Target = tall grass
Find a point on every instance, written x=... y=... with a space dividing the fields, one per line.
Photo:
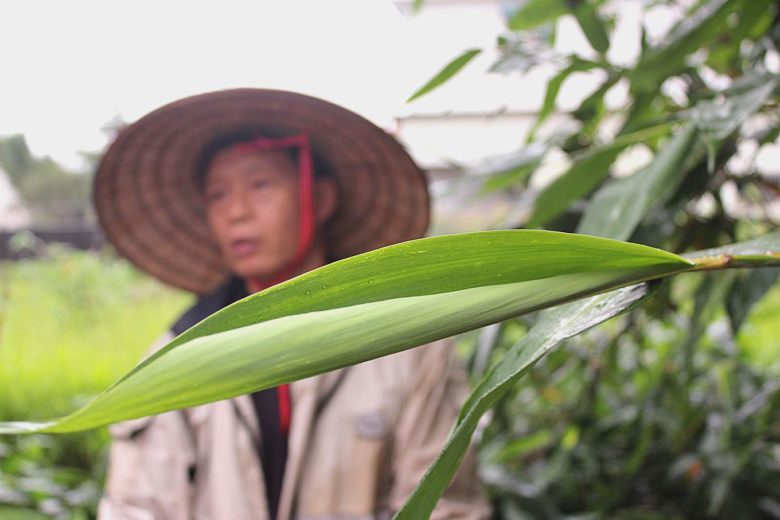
x=70 y=325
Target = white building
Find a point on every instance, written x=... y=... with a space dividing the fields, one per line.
x=13 y=213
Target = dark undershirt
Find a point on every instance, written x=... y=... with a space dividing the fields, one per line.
x=273 y=449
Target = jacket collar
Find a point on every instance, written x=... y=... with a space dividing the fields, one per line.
x=309 y=396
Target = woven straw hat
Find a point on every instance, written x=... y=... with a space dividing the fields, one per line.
x=149 y=203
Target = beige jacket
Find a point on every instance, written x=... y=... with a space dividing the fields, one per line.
x=360 y=440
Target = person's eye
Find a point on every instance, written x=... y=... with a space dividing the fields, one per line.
x=260 y=184
x=215 y=195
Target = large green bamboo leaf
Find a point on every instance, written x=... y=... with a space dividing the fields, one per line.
x=365 y=307
x=445 y=74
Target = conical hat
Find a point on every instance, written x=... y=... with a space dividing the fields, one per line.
x=148 y=198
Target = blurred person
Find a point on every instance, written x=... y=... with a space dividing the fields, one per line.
x=228 y=193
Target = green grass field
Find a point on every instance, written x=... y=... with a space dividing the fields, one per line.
x=70 y=325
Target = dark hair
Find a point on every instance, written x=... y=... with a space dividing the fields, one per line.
x=321 y=167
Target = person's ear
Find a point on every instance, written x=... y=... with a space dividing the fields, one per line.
x=325 y=200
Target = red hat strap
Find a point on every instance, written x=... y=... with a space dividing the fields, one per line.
x=306 y=224
x=305 y=233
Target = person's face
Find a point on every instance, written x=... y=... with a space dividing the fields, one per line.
x=252 y=208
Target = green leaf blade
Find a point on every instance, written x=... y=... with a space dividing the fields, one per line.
x=592 y=26
x=366 y=307
x=746 y=292
x=444 y=75
x=554 y=87
x=585 y=174
x=618 y=207
x=659 y=63
x=561 y=323
x=536 y=12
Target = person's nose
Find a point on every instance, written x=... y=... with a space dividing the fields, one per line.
x=240 y=207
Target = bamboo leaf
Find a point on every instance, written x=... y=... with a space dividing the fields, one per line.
x=446 y=73
x=365 y=307
x=554 y=87
x=579 y=180
x=536 y=12
x=720 y=117
x=507 y=170
x=617 y=208
x=659 y=63
x=592 y=109
x=630 y=198
x=560 y=324
x=592 y=26
x=746 y=292
x=755 y=19
x=585 y=174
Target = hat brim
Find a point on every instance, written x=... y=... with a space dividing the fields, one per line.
x=149 y=203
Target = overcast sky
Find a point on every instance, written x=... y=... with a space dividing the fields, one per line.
x=70 y=67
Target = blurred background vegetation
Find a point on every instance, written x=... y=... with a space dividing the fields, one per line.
x=672 y=411
x=52 y=195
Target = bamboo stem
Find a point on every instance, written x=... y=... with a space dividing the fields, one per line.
x=726 y=261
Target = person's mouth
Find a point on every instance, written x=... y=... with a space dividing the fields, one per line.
x=243 y=247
